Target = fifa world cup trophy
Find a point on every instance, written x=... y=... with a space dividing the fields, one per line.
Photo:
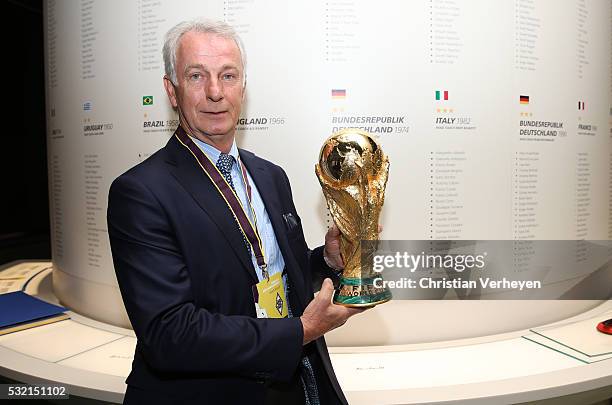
x=353 y=172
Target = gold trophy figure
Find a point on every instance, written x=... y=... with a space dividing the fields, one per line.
x=353 y=173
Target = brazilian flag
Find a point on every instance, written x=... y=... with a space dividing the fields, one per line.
x=147 y=100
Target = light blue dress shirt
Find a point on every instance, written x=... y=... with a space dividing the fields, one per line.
x=272 y=253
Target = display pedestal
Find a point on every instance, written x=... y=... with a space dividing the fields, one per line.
x=93 y=359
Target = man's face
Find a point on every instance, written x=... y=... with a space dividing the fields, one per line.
x=210 y=89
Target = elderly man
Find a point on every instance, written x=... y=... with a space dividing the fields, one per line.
x=210 y=254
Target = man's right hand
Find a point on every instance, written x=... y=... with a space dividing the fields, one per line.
x=322 y=315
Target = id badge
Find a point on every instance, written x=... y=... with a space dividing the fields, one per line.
x=269 y=297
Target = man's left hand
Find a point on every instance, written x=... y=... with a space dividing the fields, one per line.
x=331 y=252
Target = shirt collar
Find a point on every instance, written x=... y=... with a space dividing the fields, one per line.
x=212 y=152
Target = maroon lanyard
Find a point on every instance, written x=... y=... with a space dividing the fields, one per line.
x=230 y=197
x=246 y=182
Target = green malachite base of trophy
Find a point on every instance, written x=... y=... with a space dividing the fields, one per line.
x=361 y=292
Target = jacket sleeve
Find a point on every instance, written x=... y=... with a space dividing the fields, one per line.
x=175 y=335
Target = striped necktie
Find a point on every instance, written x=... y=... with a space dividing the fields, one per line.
x=224 y=164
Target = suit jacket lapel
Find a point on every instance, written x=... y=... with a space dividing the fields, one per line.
x=188 y=173
x=264 y=181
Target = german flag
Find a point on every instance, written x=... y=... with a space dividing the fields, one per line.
x=338 y=94
x=524 y=99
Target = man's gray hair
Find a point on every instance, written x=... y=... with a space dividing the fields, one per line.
x=203 y=25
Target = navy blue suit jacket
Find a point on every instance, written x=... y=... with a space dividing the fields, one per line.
x=186 y=278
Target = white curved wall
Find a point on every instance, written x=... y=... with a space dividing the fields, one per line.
x=461 y=168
